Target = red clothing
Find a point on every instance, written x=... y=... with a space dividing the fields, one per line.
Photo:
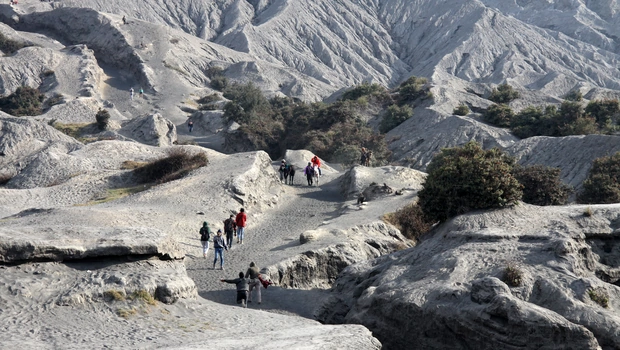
x=240 y=219
x=316 y=161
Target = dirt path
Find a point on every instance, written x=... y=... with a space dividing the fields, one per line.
x=273 y=239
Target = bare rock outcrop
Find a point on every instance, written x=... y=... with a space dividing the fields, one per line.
x=451 y=291
x=153 y=130
x=358 y=179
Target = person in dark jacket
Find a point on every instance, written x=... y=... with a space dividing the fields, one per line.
x=219 y=245
x=242 y=288
x=205 y=235
x=230 y=229
x=309 y=171
x=252 y=273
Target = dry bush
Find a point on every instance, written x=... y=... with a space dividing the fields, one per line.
x=5 y=178
x=114 y=295
x=132 y=164
x=410 y=220
x=176 y=165
x=599 y=296
x=144 y=296
x=126 y=313
x=513 y=276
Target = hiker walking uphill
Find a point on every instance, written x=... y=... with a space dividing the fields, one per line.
x=219 y=245
x=230 y=229
x=205 y=235
x=240 y=222
x=283 y=170
x=242 y=288
x=252 y=273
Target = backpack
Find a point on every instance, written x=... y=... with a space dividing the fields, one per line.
x=204 y=234
x=229 y=225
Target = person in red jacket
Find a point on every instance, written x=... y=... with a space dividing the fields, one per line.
x=240 y=221
x=316 y=161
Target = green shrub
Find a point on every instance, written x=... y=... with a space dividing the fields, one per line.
x=599 y=296
x=412 y=89
x=535 y=121
x=103 y=118
x=499 y=115
x=209 y=99
x=177 y=164
x=468 y=178
x=410 y=220
x=24 y=101
x=503 y=94
x=605 y=112
x=394 y=116
x=365 y=89
x=9 y=46
x=603 y=182
x=219 y=83
x=542 y=185
x=513 y=276
x=461 y=109
x=574 y=95
x=55 y=99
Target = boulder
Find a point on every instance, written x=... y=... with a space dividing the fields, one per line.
x=152 y=130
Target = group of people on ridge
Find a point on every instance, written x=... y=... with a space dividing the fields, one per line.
x=234 y=226
x=287 y=171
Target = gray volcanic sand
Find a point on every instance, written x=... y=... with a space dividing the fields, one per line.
x=275 y=237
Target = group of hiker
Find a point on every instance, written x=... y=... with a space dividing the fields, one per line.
x=252 y=279
x=287 y=171
x=234 y=226
x=131 y=92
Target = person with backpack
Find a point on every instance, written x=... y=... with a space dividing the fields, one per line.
x=316 y=162
x=283 y=170
x=252 y=273
x=242 y=288
x=309 y=172
x=230 y=229
x=205 y=235
x=240 y=222
x=219 y=245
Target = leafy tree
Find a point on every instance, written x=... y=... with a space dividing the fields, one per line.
x=468 y=178
x=412 y=89
x=605 y=112
x=603 y=182
x=542 y=185
x=499 y=115
x=574 y=95
x=394 y=116
x=461 y=109
x=219 y=83
x=102 y=117
x=24 y=101
x=571 y=120
x=533 y=121
x=503 y=94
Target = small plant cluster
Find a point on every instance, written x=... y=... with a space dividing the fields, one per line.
x=74 y=130
x=542 y=185
x=24 y=101
x=599 y=296
x=513 y=276
x=603 y=182
x=218 y=80
x=461 y=109
x=177 y=164
x=571 y=118
x=9 y=46
x=410 y=220
x=102 y=117
x=142 y=296
x=503 y=94
x=207 y=103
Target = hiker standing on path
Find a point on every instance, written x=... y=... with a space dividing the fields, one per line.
x=131 y=93
x=252 y=273
x=190 y=125
x=141 y=93
x=124 y=20
x=219 y=245
x=309 y=171
x=205 y=235
x=230 y=229
x=242 y=288
x=282 y=170
x=240 y=222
